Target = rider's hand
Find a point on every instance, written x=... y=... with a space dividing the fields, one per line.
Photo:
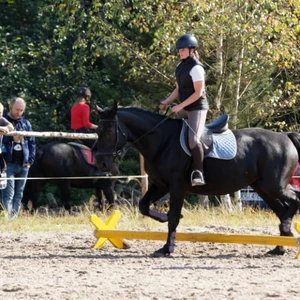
x=177 y=108
x=162 y=105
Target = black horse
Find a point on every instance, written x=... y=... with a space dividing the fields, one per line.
x=265 y=160
x=65 y=160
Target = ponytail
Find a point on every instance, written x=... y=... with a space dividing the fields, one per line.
x=196 y=54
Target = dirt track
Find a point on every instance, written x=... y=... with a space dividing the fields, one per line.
x=60 y=265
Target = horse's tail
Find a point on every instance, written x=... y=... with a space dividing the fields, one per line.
x=295 y=138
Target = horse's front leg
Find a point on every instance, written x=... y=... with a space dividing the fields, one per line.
x=99 y=198
x=153 y=194
x=109 y=193
x=177 y=193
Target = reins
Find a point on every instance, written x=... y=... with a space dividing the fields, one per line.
x=157 y=125
x=116 y=152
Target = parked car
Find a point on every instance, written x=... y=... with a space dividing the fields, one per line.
x=251 y=198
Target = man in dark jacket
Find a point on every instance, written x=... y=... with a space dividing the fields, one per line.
x=19 y=154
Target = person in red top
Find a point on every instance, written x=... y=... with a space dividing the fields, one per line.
x=80 y=115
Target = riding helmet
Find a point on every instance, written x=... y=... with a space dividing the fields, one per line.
x=186 y=41
x=84 y=91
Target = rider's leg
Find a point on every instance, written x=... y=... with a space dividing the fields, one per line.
x=196 y=120
x=182 y=114
x=197 y=177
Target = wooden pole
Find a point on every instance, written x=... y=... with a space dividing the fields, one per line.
x=199 y=237
x=54 y=134
x=106 y=231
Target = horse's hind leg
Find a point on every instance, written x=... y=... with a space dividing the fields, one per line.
x=152 y=195
x=284 y=204
x=290 y=200
x=290 y=204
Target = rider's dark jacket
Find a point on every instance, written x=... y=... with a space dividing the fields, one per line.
x=186 y=85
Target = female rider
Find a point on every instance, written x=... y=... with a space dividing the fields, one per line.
x=190 y=89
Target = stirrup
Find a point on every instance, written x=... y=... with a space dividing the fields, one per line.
x=198 y=180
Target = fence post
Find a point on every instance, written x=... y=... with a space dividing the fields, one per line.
x=144 y=179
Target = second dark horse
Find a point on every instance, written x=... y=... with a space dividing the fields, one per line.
x=64 y=160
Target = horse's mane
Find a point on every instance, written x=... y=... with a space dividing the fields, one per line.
x=133 y=112
x=141 y=112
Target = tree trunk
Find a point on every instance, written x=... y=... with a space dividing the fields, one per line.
x=238 y=85
x=220 y=72
x=237 y=194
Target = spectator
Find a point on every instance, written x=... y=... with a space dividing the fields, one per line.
x=80 y=115
x=19 y=155
x=5 y=127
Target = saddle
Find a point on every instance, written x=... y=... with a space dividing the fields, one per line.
x=218 y=141
x=85 y=151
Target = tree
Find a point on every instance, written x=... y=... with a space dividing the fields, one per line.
x=124 y=50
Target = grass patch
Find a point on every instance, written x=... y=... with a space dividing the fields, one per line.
x=131 y=219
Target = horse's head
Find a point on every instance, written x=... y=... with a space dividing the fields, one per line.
x=111 y=138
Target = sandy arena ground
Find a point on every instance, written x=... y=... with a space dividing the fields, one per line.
x=60 y=265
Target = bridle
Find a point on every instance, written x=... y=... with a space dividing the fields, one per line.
x=117 y=152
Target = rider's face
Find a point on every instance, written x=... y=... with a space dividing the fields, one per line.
x=184 y=53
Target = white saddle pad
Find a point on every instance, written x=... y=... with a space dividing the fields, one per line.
x=224 y=145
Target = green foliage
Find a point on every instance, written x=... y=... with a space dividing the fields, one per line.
x=78 y=196
x=124 y=51
x=130 y=165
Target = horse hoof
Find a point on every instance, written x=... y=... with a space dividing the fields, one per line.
x=278 y=250
x=161 y=253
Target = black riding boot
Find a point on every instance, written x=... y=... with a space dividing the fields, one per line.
x=197 y=175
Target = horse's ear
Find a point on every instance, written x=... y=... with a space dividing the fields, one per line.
x=99 y=109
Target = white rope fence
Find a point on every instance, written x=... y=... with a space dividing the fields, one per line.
x=68 y=135
x=129 y=177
